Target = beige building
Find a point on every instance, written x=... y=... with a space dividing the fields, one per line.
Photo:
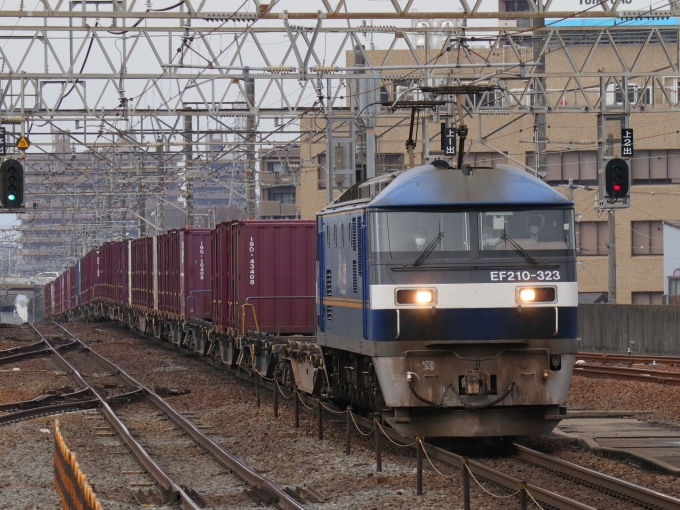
x=571 y=132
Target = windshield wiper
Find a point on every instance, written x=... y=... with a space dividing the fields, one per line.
x=518 y=249
x=430 y=247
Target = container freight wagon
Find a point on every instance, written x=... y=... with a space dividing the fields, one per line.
x=185 y=273
x=114 y=271
x=270 y=276
x=143 y=272
x=90 y=287
x=59 y=293
x=74 y=286
x=48 y=299
x=220 y=276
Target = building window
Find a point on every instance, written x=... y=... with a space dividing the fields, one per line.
x=635 y=94
x=656 y=167
x=581 y=166
x=385 y=163
x=486 y=159
x=321 y=171
x=592 y=238
x=647 y=237
x=647 y=298
x=274 y=167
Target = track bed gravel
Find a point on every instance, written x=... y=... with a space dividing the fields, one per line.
x=591 y=393
x=225 y=409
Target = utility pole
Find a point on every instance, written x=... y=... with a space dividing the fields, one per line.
x=329 y=142
x=540 y=119
x=249 y=84
x=160 y=214
x=188 y=162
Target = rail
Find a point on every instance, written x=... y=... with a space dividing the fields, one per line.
x=219 y=453
x=628 y=358
x=278 y=308
x=169 y=488
x=636 y=374
x=626 y=489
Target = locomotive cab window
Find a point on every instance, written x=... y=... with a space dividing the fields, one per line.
x=541 y=232
x=408 y=235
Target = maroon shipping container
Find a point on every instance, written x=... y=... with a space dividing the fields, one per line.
x=73 y=292
x=90 y=287
x=168 y=268
x=48 y=299
x=143 y=271
x=220 y=282
x=271 y=265
x=114 y=271
x=59 y=285
x=185 y=269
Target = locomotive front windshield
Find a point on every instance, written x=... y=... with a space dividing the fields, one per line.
x=542 y=232
x=406 y=235
x=403 y=235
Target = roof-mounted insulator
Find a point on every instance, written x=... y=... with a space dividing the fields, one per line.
x=280 y=69
x=236 y=16
x=324 y=69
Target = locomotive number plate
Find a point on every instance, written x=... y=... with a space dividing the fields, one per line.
x=523 y=276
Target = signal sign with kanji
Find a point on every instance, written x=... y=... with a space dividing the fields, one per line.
x=448 y=140
x=627 y=142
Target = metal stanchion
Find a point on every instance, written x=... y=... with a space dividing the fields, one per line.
x=257 y=389
x=296 y=399
x=419 y=469
x=319 y=417
x=523 y=496
x=378 y=445
x=276 y=400
x=348 y=431
x=466 y=486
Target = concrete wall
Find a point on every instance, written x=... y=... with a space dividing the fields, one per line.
x=612 y=328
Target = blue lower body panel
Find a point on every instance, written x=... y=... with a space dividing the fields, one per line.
x=474 y=324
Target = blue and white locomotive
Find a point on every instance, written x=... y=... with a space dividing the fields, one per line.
x=447 y=300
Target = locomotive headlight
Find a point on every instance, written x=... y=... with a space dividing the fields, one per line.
x=415 y=297
x=527 y=295
x=536 y=294
x=424 y=297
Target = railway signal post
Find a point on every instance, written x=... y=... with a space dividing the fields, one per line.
x=613 y=175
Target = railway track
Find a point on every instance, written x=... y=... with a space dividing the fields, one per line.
x=629 y=359
x=621 y=490
x=618 y=489
x=629 y=373
x=632 y=495
x=260 y=489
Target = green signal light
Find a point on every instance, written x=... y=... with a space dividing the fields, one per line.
x=12 y=196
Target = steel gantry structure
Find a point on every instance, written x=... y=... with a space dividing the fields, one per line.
x=154 y=81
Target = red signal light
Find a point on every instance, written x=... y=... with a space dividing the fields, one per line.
x=617 y=187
